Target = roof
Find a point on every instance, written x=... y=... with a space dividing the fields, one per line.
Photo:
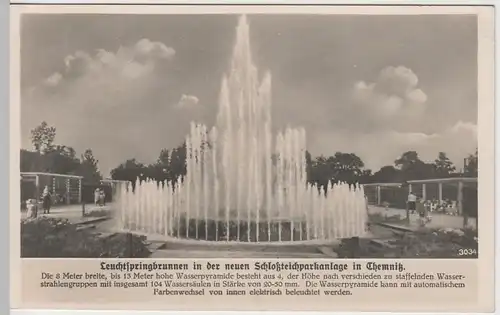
x=107 y=180
x=444 y=180
x=49 y=174
x=383 y=184
x=452 y=180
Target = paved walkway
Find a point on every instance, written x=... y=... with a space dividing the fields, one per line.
x=71 y=212
x=438 y=220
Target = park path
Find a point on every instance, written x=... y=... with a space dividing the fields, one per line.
x=438 y=220
x=73 y=213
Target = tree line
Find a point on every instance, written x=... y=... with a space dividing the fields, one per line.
x=341 y=167
x=171 y=164
x=49 y=157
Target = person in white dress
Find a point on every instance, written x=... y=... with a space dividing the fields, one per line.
x=32 y=208
x=412 y=202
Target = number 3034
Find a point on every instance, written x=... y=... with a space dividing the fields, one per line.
x=467 y=251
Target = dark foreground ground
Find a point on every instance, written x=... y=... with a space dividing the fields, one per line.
x=92 y=238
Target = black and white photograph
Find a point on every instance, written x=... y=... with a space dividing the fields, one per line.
x=249 y=136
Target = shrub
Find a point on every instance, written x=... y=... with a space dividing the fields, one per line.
x=49 y=237
x=379 y=218
x=421 y=244
x=98 y=213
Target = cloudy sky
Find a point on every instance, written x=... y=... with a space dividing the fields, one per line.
x=128 y=85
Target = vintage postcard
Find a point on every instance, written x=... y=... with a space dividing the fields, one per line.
x=209 y=157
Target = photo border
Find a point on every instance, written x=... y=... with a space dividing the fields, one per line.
x=485 y=146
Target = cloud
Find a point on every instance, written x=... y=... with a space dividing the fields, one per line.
x=388 y=117
x=148 y=49
x=120 y=104
x=131 y=63
x=54 y=79
x=381 y=148
x=115 y=102
x=392 y=102
x=187 y=101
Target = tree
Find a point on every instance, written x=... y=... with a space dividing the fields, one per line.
x=164 y=158
x=48 y=157
x=342 y=167
x=60 y=159
x=321 y=173
x=412 y=167
x=443 y=166
x=366 y=177
x=387 y=174
x=347 y=167
x=177 y=165
x=129 y=170
x=407 y=160
x=31 y=161
x=89 y=167
x=42 y=137
x=472 y=165
x=161 y=169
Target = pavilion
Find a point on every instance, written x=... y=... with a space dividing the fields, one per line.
x=67 y=186
x=459 y=182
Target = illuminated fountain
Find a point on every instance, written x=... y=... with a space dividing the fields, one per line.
x=242 y=184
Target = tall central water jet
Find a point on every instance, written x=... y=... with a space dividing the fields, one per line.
x=242 y=183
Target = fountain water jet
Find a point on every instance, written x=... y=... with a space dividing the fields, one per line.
x=237 y=186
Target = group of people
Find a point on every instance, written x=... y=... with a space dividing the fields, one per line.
x=424 y=207
x=32 y=204
x=445 y=206
x=99 y=197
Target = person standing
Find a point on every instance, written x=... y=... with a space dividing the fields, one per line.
x=46 y=200
x=412 y=202
x=422 y=212
x=32 y=208
x=102 y=197
x=97 y=196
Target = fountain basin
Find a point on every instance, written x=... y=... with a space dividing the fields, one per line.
x=241 y=231
x=231 y=245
